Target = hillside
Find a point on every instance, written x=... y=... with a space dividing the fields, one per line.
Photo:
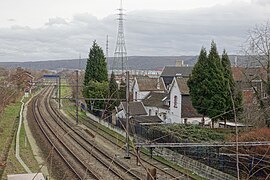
x=134 y=62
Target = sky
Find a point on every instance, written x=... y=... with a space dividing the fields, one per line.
x=34 y=30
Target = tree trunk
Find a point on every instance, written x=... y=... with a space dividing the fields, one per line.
x=213 y=122
x=202 y=121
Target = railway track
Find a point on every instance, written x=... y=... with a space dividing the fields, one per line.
x=58 y=129
x=76 y=165
x=164 y=169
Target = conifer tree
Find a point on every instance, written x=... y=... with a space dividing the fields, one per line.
x=113 y=92
x=218 y=93
x=96 y=77
x=96 y=67
x=198 y=91
x=233 y=90
x=207 y=85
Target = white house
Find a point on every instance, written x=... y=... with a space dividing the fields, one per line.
x=137 y=114
x=181 y=109
x=143 y=85
x=135 y=109
x=157 y=104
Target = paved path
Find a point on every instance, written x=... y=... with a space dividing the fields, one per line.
x=18 y=140
x=35 y=149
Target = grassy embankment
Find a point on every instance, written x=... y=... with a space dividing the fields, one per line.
x=191 y=133
x=8 y=128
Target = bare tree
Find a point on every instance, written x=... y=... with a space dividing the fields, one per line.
x=257 y=49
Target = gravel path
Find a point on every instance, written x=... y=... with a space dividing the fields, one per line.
x=36 y=150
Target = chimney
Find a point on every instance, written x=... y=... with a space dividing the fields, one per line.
x=235 y=61
x=158 y=83
x=179 y=63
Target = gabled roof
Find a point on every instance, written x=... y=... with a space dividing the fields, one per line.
x=150 y=84
x=135 y=108
x=147 y=119
x=173 y=71
x=187 y=110
x=248 y=74
x=182 y=85
x=156 y=100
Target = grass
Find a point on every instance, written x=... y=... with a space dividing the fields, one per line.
x=190 y=133
x=9 y=122
x=66 y=91
x=26 y=152
x=8 y=125
x=7 y=119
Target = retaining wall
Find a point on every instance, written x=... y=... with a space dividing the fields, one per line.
x=193 y=165
x=108 y=125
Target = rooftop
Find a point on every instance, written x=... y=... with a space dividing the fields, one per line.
x=135 y=108
x=147 y=119
x=156 y=99
x=187 y=109
x=150 y=84
x=182 y=85
x=176 y=71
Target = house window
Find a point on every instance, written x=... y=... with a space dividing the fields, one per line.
x=150 y=112
x=156 y=112
x=175 y=101
x=164 y=117
x=255 y=89
x=136 y=96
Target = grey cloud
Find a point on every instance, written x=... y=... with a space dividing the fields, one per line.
x=11 y=20
x=147 y=33
x=261 y=2
x=56 y=21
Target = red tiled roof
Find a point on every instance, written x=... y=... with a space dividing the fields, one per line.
x=248 y=74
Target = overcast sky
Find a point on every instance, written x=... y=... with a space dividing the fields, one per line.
x=63 y=29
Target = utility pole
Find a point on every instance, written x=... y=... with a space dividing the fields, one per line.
x=59 y=91
x=107 y=49
x=77 y=97
x=80 y=58
x=127 y=116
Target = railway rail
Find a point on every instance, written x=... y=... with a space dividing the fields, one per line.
x=164 y=169
x=57 y=129
x=59 y=146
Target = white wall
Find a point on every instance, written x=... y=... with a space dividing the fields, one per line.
x=121 y=114
x=160 y=112
x=135 y=89
x=140 y=94
x=143 y=94
x=197 y=120
x=175 y=112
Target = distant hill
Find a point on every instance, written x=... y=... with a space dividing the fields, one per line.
x=134 y=62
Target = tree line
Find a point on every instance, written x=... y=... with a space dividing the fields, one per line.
x=212 y=88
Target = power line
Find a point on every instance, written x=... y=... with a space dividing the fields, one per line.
x=216 y=144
